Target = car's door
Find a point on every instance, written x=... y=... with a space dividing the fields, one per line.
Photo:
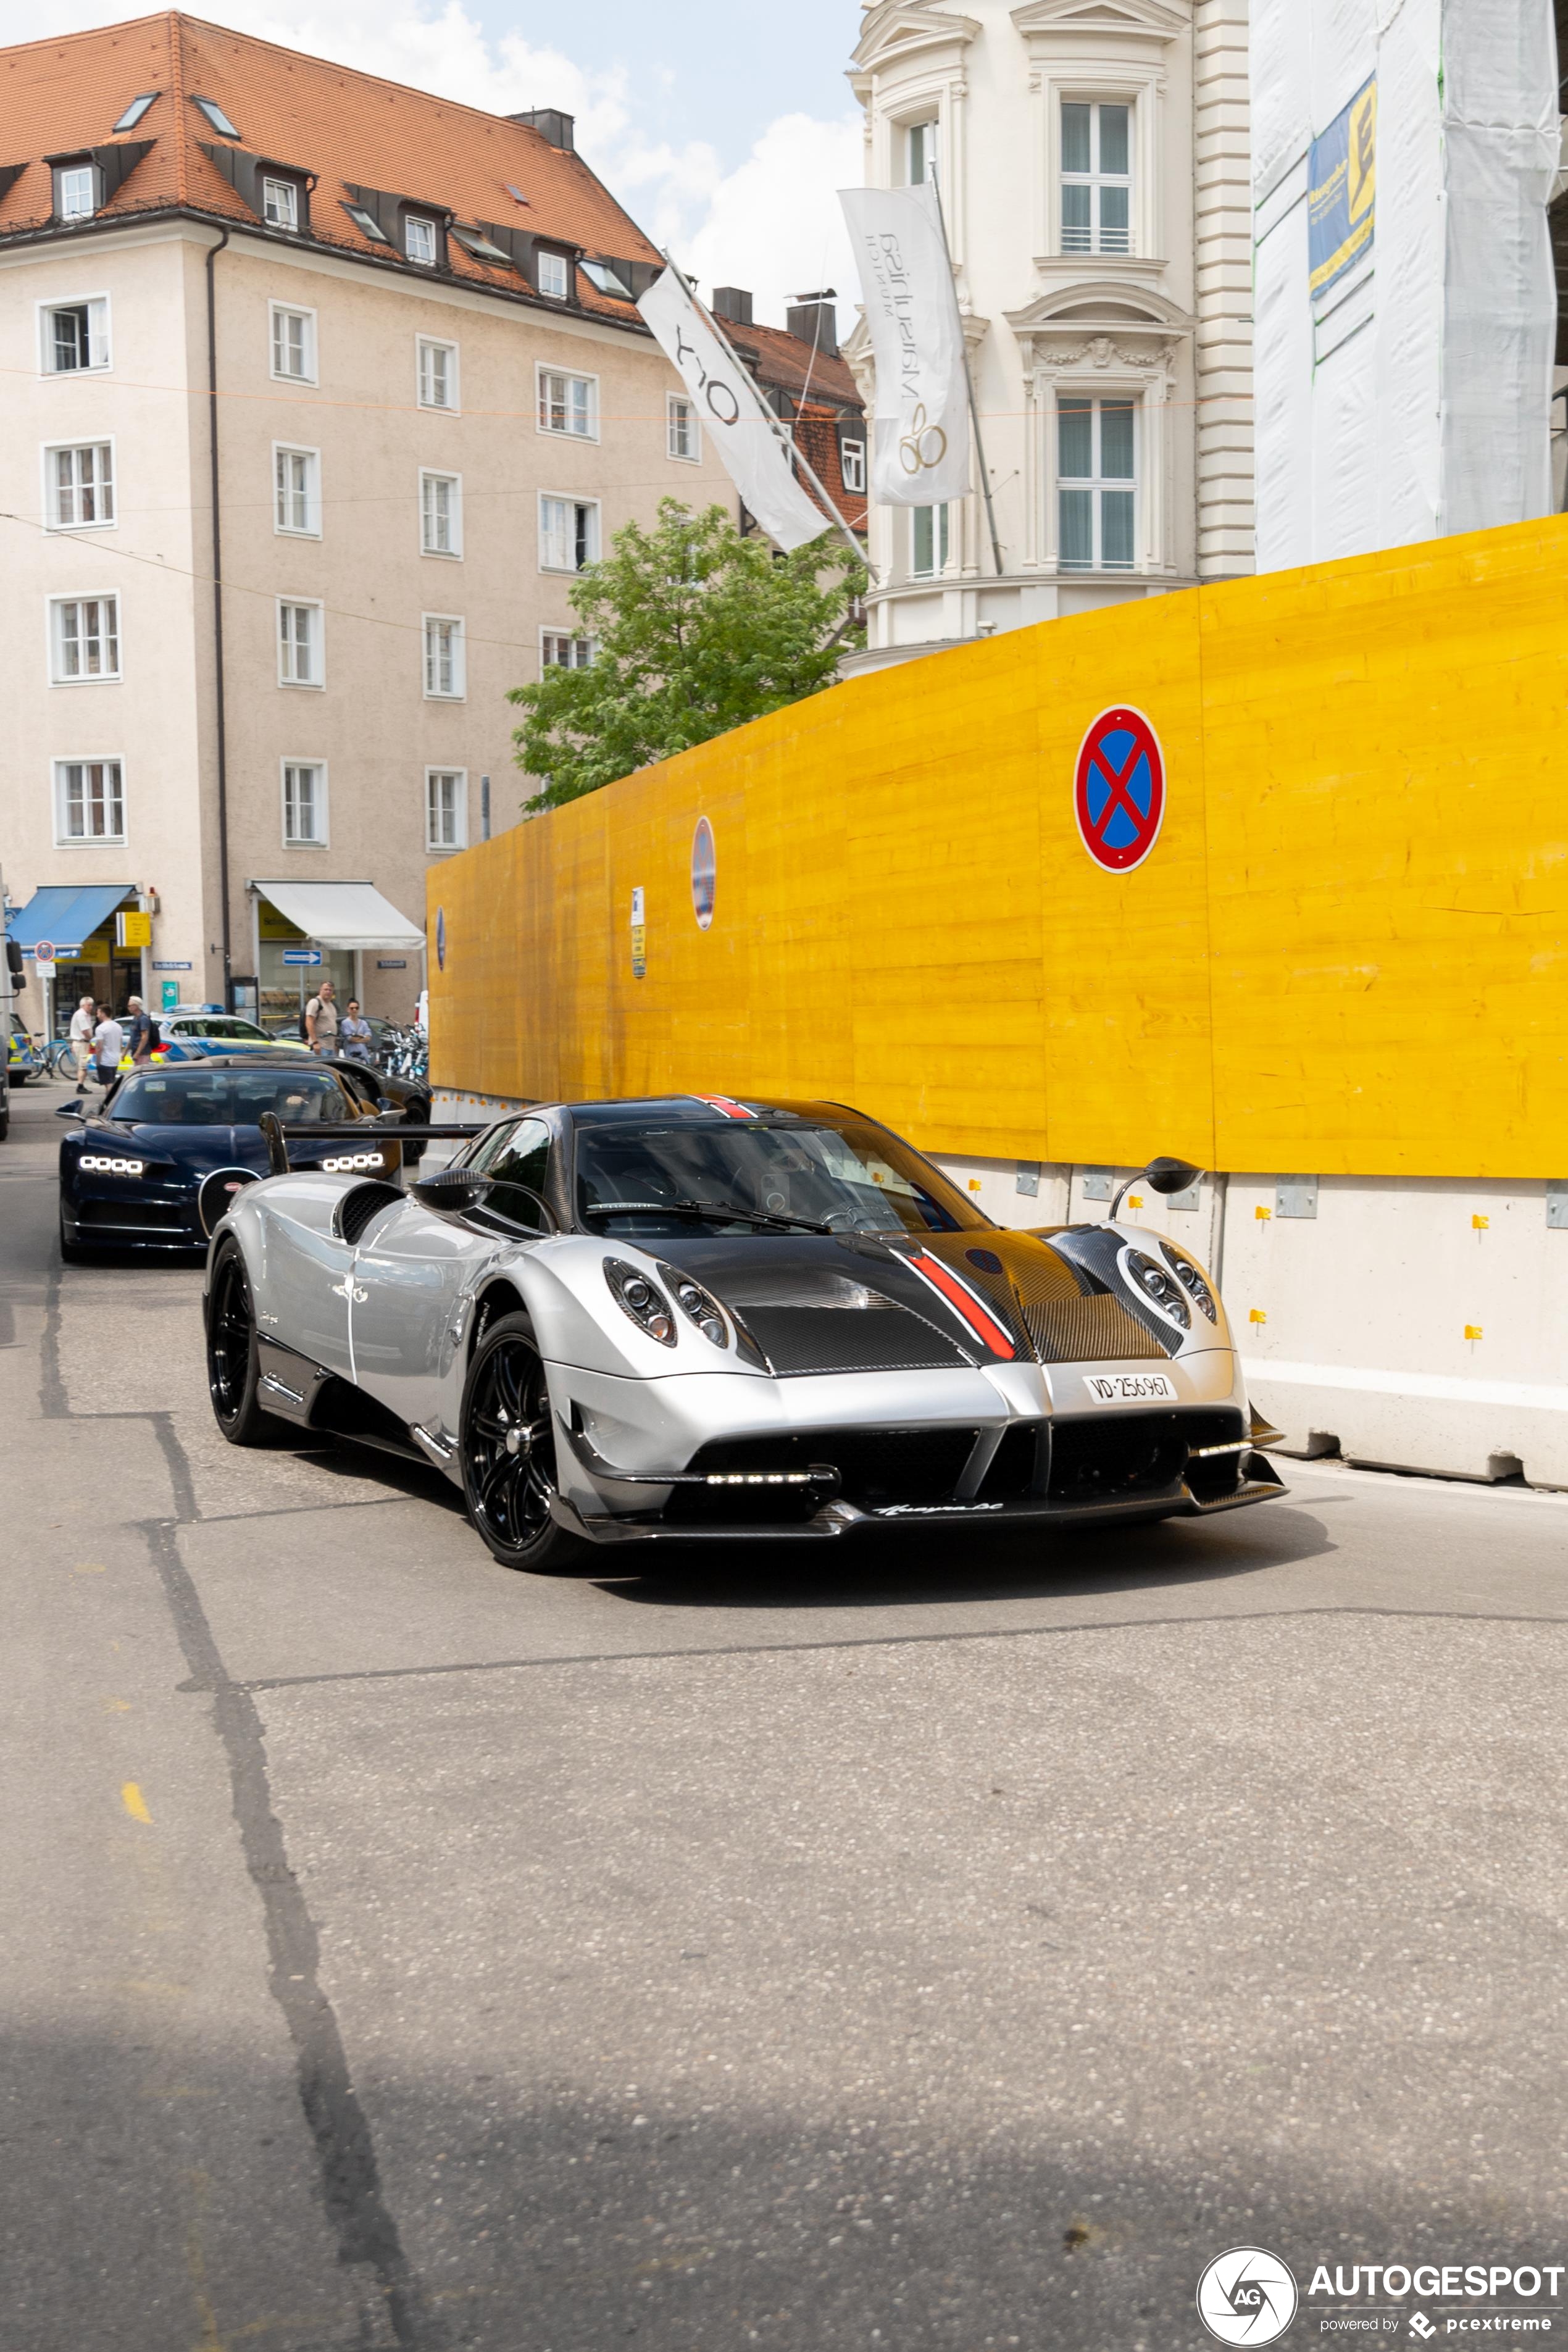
x=413 y=1267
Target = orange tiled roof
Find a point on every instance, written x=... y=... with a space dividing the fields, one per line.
x=62 y=95
x=777 y=357
x=817 y=431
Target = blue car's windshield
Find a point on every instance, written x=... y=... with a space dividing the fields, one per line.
x=657 y=1180
x=202 y=1096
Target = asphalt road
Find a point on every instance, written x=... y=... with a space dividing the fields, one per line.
x=929 y=1949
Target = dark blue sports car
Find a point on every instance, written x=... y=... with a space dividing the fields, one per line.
x=157 y=1164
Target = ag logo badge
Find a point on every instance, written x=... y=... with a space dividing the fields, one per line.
x=1247 y=2296
x=1119 y=790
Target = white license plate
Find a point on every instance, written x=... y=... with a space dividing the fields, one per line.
x=1130 y=1388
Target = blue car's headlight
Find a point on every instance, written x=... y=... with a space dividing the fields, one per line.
x=99 y=1163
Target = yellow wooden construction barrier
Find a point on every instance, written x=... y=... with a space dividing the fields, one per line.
x=1346 y=951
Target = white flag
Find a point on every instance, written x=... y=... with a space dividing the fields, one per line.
x=920 y=447
x=731 y=407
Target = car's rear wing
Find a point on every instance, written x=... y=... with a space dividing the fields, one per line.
x=275 y=1135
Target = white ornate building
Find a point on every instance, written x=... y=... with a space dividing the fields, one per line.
x=1093 y=157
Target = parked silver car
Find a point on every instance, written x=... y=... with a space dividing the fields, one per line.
x=695 y=1318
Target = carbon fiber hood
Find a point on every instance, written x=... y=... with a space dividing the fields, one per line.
x=850 y=1302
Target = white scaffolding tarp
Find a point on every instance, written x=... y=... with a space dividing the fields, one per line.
x=1405 y=305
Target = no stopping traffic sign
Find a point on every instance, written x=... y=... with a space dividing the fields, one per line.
x=1119 y=790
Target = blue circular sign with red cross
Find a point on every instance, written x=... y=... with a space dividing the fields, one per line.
x=1118 y=790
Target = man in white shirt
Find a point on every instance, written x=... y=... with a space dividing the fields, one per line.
x=107 y=1045
x=84 y=1020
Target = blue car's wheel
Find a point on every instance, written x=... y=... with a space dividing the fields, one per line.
x=508 y=1447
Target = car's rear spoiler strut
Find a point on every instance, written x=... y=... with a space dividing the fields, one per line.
x=274 y=1135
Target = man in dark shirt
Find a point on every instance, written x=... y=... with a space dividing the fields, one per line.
x=140 y=1031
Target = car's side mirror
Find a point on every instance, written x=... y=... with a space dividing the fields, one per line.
x=1160 y=1176
x=1170 y=1175
x=451 y=1191
x=68 y=1110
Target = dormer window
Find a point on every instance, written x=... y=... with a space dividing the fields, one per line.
x=76 y=190
x=216 y=117
x=367 y=224
x=419 y=239
x=135 y=111
x=553 y=276
x=280 y=204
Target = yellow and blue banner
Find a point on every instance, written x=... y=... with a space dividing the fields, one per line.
x=1342 y=190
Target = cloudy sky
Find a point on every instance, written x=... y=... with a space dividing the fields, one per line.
x=724 y=126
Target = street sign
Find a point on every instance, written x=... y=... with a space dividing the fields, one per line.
x=44 y=966
x=301 y=955
x=168 y=964
x=392 y=963
x=45 y=950
x=1119 y=790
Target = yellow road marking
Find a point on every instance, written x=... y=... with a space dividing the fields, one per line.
x=136 y=1804
x=90 y=1567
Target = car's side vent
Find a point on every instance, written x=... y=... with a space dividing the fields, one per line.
x=359 y=1207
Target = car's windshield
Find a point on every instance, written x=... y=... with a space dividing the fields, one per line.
x=207 y=1098
x=735 y=1177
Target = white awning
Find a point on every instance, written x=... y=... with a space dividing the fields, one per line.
x=342 y=914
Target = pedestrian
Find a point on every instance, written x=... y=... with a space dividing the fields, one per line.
x=142 y=1031
x=84 y=1020
x=107 y=1045
x=322 y=1021
x=355 y=1032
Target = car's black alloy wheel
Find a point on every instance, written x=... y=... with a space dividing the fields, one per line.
x=233 y=1370
x=508 y=1447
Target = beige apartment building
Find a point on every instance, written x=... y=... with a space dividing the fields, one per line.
x=319 y=390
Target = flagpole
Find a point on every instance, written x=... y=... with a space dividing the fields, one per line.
x=776 y=427
x=969 y=383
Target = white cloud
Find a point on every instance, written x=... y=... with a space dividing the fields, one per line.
x=771 y=225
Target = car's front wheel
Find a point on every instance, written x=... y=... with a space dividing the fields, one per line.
x=234 y=1367
x=508 y=1447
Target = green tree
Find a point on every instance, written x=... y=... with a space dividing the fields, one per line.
x=697 y=630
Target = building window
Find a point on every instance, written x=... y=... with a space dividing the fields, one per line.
x=438 y=374
x=558 y=651
x=567 y=405
x=280 y=205
x=419 y=240
x=928 y=541
x=553 y=274
x=568 y=534
x=84 y=639
x=297 y=491
x=299 y=655
x=444 y=680
x=1096 y=178
x=1097 y=482
x=441 y=514
x=685 y=433
x=79 y=486
x=90 y=801
x=76 y=191
x=446 y=808
x=75 y=336
x=920 y=151
x=293 y=344
x=304 y=804
x=852 y=464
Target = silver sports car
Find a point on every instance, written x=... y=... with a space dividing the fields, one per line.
x=696 y=1317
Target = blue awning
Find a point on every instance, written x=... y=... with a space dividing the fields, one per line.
x=66 y=916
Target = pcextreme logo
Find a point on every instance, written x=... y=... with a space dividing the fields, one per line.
x=1247 y=2296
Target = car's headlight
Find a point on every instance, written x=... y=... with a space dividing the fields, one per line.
x=95 y=1163
x=1158 y=1286
x=1193 y=1283
x=643 y=1300
x=699 y=1303
x=353 y=1163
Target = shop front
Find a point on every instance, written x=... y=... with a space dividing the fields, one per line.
x=79 y=924
x=306 y=932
